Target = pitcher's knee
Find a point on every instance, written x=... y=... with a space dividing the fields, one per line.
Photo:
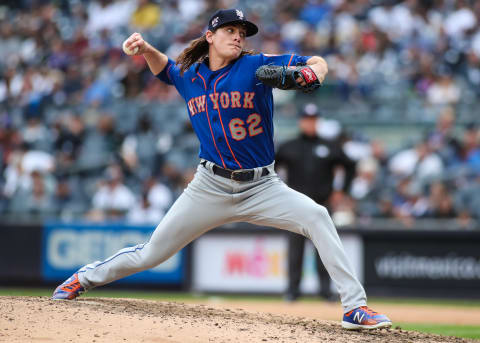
x=322 y=211
x=153 y=259
x=314 y=216
x=152 y=262
x=315 y=213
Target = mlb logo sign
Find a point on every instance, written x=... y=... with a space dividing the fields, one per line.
x=215 y=21
x=239 y=14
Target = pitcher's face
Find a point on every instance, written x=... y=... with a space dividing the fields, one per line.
x=227 y=41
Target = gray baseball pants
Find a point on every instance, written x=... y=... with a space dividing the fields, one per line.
x=210 y=201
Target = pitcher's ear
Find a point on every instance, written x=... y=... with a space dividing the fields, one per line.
x=208 y=36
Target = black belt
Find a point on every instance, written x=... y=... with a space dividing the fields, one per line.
x=235 y=175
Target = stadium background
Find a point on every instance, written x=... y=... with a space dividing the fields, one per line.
x=94 y=149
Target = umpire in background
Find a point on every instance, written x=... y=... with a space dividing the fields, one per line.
x=310 y=161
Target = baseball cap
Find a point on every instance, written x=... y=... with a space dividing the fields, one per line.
x=310 y=110
x=229 y=16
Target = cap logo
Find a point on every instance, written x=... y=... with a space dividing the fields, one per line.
x=215 y=22
x=239 y=14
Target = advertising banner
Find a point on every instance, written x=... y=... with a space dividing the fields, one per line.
x=255 y=262
x=437 y=264
x=67 y=247
x=239 y=263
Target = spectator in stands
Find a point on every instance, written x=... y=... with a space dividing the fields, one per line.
x=21 y=164
x=366 y=185
x=69 y=136
x=134 y=78
x=471 y=148
x=184 y=156
x=139 y=149
x=60 y=57
x=370 y=188
x=158 y=195
x=113 y=199
x=472 y=69
x=147 y=15
x=444 y=90
x=40 y=200
x=409 y=202
x=97 y=91
x=442 y=139
x=393 y=18
x=440 y=202
x=68 y=199
x=36 y=134
x=100 y=144
x=108 y=14
x=459 y=22
x=418 y=162
x=144 y=213
x=384 y=209
x=72 y=85
x=427 y=25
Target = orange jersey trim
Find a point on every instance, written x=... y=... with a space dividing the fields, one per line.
x=291 y=57
x=221 y=122
x=208 y=118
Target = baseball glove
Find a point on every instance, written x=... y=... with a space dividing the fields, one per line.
x=286 y=78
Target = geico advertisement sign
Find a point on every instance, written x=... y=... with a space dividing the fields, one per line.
x=240 y=263
x=67 y=249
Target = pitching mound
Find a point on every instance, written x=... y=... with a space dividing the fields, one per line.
x=39 y=319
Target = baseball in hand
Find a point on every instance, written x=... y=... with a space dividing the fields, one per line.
x=127 y=50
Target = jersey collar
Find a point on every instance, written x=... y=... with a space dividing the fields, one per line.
x=206 y=72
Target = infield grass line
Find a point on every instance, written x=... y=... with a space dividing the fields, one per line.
x=464 y=331
x=426 y=301
x=185 y=296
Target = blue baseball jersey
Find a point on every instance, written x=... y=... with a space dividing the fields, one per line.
x=230 y=110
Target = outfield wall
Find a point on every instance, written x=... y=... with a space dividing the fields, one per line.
x=243 y=258
x=49 y=253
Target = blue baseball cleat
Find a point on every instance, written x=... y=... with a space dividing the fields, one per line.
x=69 y=289
x=364 y=318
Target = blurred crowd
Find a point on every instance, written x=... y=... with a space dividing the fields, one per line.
x=437 y=177
x=87 y=132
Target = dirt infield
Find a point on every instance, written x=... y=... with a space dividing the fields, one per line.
x=39 y=319
x=407 y=313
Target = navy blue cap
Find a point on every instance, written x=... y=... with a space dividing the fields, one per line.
x=310 y=110
x=230 y=16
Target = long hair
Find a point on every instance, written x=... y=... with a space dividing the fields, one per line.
x=197 y=51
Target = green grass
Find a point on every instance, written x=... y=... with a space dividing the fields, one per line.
x=154 y=295
x=426 y=301
x=184 y=296
x=464 y=331
x=31 y=292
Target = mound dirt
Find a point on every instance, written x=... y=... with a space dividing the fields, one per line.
x=39 y=319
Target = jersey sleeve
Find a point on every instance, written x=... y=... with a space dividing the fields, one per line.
x=171 y=75
x=288 y=60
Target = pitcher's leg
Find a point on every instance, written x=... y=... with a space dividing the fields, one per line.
x=275 y=204
x=324 y=279
x=196 y=211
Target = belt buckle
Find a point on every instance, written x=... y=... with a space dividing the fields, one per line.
x=235 y=172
